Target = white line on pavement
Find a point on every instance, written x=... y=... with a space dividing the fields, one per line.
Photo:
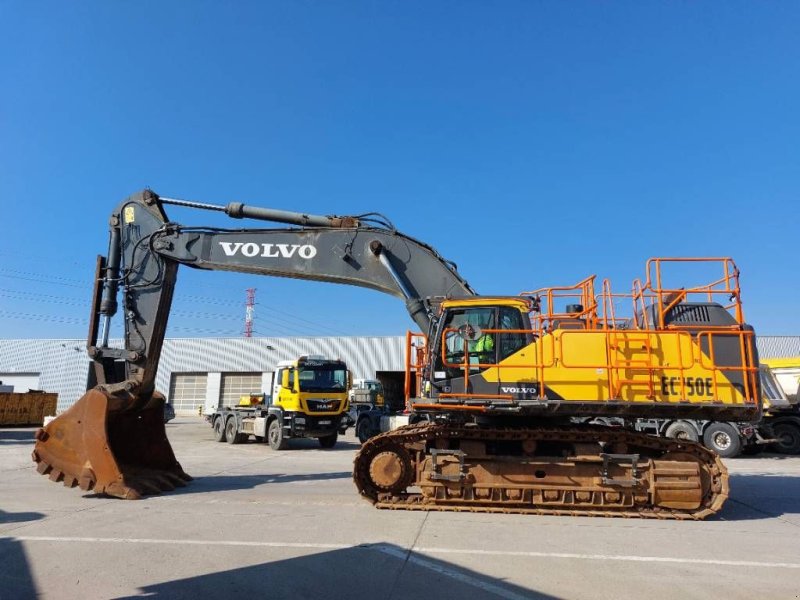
x=613 y=557
x=432 y=550
x=29 y=538
x=452 y=573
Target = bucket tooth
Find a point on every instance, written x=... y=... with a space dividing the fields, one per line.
x=162 y=483
x=177 y=480
x=126 y=492
x=87 y=480
x=42 y=466
x=99 y=446
x=145 y=487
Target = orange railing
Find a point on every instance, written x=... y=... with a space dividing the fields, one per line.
x=547 y=301
x=630 y=357
x=416 y=357
x=726 y=287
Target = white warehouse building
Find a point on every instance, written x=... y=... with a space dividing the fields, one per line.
x=203 y=373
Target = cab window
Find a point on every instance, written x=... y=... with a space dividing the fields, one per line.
x=511 y=318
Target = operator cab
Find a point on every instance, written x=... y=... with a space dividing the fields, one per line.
x=472 y=337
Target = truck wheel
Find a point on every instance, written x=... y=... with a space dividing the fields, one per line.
x=681 y=430
x=788 y=436
x=231 y=436
x=328 y=441
x=219 y=430
x=363 y=431
x=275 y=437
x=723 y=439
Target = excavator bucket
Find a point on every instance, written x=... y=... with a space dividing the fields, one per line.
x=100 y=447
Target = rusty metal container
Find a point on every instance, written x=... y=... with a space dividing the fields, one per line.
x=28 y=408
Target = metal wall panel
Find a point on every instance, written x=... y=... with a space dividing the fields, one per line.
x=21 y=382
x=64 y=365
x=778 y=346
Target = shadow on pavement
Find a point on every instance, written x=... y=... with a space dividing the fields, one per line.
x=218 y=483
x=238 y=482
x=362 y=572
x=757 y=496
x=766 y=456
x=16 y=580
x=305 y=444
x=7 y=517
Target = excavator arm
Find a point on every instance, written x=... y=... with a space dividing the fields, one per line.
x=113 y=439
x=146 y=250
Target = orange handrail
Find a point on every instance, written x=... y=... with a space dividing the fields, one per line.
x=415 y=362
x=651 y=302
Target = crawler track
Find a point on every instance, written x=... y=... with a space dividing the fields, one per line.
x=607 y=472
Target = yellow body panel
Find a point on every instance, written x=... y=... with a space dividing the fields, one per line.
x=628 y=366
x=518 y=303
x=289 y=400
x=778 y=363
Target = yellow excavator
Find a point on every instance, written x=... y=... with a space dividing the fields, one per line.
x=510 y=397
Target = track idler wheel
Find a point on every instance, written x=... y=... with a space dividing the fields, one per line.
x=101 y=447
x=386 y=469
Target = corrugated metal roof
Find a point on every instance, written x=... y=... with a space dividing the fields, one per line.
x=778 y=346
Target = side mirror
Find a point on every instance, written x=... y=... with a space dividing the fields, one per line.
x=469 y=332
x=285 y=378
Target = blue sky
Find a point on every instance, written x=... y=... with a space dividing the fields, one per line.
x=533 y=143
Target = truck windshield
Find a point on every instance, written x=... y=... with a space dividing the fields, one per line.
x=324 y=378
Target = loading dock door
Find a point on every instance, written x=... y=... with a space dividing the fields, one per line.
x=187 y=391
x=235 y=385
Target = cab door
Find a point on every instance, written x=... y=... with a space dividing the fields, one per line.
x=284 y=396
x=465 y=356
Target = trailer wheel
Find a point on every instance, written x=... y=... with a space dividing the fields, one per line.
x=723 y=439
x=681 y=430
x=363 y=431
x=219 y=430
x=328 y=441
x=231 y=435
x=788 y=435
x=275 y=437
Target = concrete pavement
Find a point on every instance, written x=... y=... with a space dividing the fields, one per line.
x=290 y=525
